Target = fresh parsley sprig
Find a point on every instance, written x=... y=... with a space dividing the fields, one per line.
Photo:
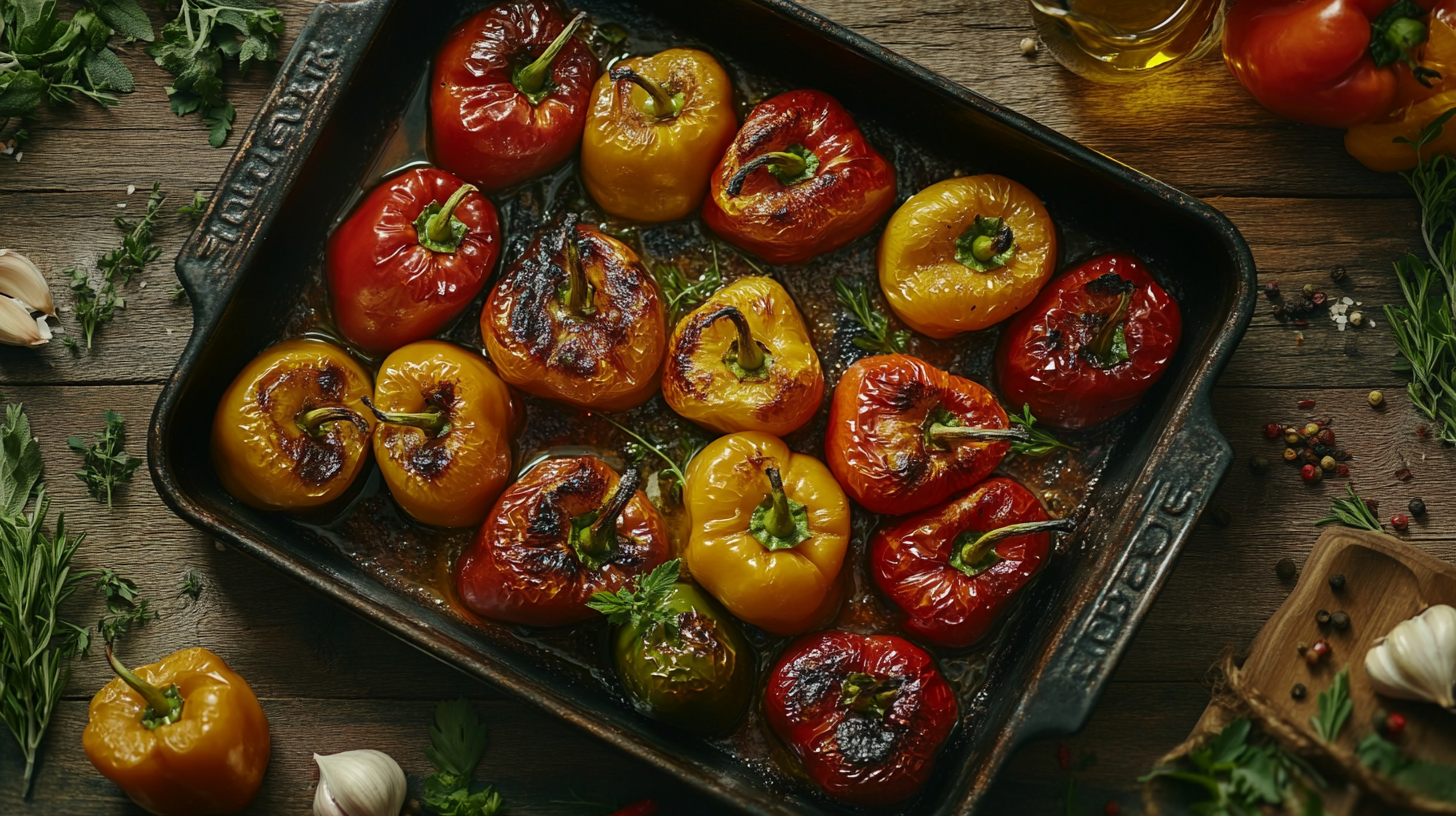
x=1333 y=707
x=1352 y=512
x=877 y=337
x=1242 y=773
x=1041 y=442
x=1431 y=779
x=193 y=46
x=125 y=607
x=105 y=462
x=675 y=455
x=643 y=607
x=457 y=744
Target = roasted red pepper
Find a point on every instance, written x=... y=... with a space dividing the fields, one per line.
x=410 y=258
x=866 y=715
x=1090 y=345
x=903 y=435
x=798 y=181
x=570 y=528
x=510 y=95
x=1325 y=62
x=953 y=569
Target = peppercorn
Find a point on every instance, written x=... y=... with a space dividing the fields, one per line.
x=1279 y=311
x=1311 y=429
x=1417 y=508
x=1404 y=474
x=1258 y=464
x=1308 y=290
x=1394 y=724
x=1285 y=569
x=1327 y=436
x=1290 y=454
x=1317 y=652
x=1292 y=438
x=1272 y=430
x=1337 y=274
x=1271 y=289
x=1376 y=399
x=1337 y=581
x=1340 y=620
x=1302 y=648
x=1310 y=473
x=1310 y=456
x=1318 y=298
x=1322 y=617
x=1400 y=522
x=1321 y=451
x=1328 y=463
x=1298 y=691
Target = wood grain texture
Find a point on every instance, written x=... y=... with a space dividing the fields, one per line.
x=331 y=682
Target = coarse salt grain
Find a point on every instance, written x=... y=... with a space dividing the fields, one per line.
x=18 y=155
x=121 y=206
x=1348 y=301
x=169 y=331
x=143 y=285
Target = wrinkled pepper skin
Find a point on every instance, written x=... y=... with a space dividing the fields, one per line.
x=884 y=441
x=640 y=160
x=484 y=126
x=785 y=591
x=912 y=562
x=449 y=457
x=700 y=679
x=529 y=566
x=1047 y=357
x=866 y=715
x=1416 y=105
x=602 y=352
x=1311 y=60
x=262 y=453
x=846 y=193
x=705 y=380
x=210 y=761
x=938 y=295
x=389 y=283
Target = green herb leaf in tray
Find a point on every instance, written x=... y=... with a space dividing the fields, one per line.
x=1041 y=442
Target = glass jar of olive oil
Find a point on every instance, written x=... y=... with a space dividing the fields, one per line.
x=1127 y=40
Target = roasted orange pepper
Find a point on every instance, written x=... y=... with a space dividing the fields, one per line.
x=184 y=736
x=1417 y=104
x=291 y=433
x=744 y=361
x=577 y=319
x=769 y=528
x=657 y=126
x=443 y=442
x=966 y=253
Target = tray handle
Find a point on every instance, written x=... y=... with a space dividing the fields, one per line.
x=271 y=153
x=1180 y=483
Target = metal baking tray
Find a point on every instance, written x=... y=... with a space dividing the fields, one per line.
x=345 y=108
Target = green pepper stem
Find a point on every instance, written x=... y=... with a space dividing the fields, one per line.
x=531 y=80
x=1405 y=33
x=779 y=518
x=941 y=432
x=976 y=550
x=601 y=537
x=787 y=164
x=1101 y=344
x=438 y=227
x=869 y=695
x=578 y=289
x=664 y=104
x=750 y=355
x=433 y=422
x=312 y=421
x=157 y=701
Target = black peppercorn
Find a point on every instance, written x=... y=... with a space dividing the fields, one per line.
x=1337 y=581
x=1259 y=464
x=1340 y=620
x=1298 y=691
x=1285 y=569
x=1322 y=617
x=1417 y=508
x=1337 y=274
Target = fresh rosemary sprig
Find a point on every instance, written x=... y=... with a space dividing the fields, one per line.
x=684 y=294
x=686 y=446
x=1352 y=512
x=1041 y=442
x=1333 y=708
x=878 y=337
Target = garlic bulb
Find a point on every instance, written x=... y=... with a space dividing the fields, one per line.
x=358 y=783
x=23 y=291
x=1417 y=660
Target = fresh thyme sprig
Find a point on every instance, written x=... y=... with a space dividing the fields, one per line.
x=125 y=607
x=106 y=463
x=195 y=209
x=1352 y=512
x=1041 y=442
x=878 y=337
x=684 y=294
x=97 y=304
x=190 y=585
x=686 y=446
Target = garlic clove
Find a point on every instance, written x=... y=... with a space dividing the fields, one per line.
x=1417 y=660
x=22 y=280
x=18 y=328
x=359 y=783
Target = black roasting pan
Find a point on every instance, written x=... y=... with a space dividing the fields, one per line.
x=323 y=129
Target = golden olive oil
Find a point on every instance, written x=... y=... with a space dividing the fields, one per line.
x=1123 y=40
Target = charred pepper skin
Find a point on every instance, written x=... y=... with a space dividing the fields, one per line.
x=915 y=562
x=485 y=128
x=530 y=564
x=390 y=281
x=443 y=441
x=865 y=715
x=578 y=319
x=260 y=449
x=891 y=437
x=840 y=193
x=209 y=760
x=706 y=381
x=647 y=155
x=1061 y=355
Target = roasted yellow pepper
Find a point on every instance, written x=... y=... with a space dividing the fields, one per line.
x=966 y=253
x=744 y=361
x=769 y=528
x=656 y=130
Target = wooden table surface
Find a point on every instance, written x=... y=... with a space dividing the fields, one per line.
x=331 y=682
